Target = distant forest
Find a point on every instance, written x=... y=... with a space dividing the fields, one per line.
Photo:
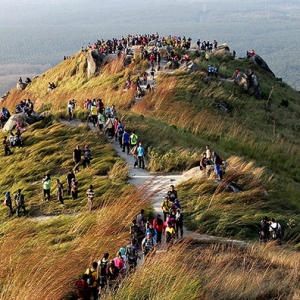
x=36 y=35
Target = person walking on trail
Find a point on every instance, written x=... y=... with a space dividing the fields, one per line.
x=69 y=178
x=93 y=115
x=87 y=156
x=59 y=191
x=77 y=158
x=70 y=110
x=158 y=224
x=141 y=221
x=134 y=152
x=165 y=206
x=275 y=230
x=120 y=130
x=179 y=223
x=217 y=164
x=113 y=277
x=46 y=187
x=132 y=254
x=20 y=203
x=141 y=155
x=172 y=193
x=148 y=244
x=74 y=188
x=92 y=280
x=102 y=275
x=82 y=288
x=170 y=233
x=126 y=141
x=90 y=195
x=8 y=203
x=133 y=140
x=101 y=122
x=7 y=150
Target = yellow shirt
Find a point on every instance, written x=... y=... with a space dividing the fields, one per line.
x=166 y=205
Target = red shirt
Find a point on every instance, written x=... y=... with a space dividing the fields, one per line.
x=82 y=289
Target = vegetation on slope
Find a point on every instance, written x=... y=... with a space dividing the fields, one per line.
x=175 y=123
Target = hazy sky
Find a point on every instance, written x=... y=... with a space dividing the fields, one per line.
x=39 y=33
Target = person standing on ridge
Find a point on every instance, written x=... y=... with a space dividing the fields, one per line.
x=90 y=194
x=126 y=141
x=8 y=203
x=86 y=156
x=77 y=158
x=59 y=191
x=7 y=150
x=46 y=187
x=20 y=203
x=141 y=155
x=69 y=178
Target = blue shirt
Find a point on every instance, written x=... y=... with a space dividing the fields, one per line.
x=126 y=137
x=140 y=151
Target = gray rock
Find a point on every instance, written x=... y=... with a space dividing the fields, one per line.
x=260 y=62
x=95 y=61
x=12 y=121
x=189 y=67
x=21 y=86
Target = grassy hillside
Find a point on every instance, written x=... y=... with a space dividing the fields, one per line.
x=175 y=122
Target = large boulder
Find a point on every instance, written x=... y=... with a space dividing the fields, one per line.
x=189 y=67
x=95 y=61
x=21 y=86
x=12 y=122
x=260 y=62
x=196 y=173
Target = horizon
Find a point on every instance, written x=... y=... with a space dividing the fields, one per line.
x=36 y=35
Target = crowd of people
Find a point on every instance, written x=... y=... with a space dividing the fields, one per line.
x=146 y=235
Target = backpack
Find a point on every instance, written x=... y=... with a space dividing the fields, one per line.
x=90 y=279
x=131 y=255
x=102 y=269
x=149 y=244
x=159 y=222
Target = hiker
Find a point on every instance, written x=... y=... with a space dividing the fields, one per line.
x=170 y=233
x=141 y=154
x=148 y=244
x=90 y=194
x=101 y=121
x=120 y=262
x=203 y=162
x=141 y=221
x=264 y=232
x=149 y=228
x=208 y=152
x=275 y=230
x=74 y=188
x=179 y=223
x=172 y=193
x=134 y=152
x=92 y=117
x=102 y=275
x=77 y=158
x=59 y=191
x=20 y=203
x=126 y=141
x=120 y=131
x=69 y=178
x=158 y=225
x=82 y=288
x=92 y=280
x=112 y=277
x=133 y=139
x=86 y=156
x=46 y=187
x=165 y=206
x=8 y=203
x=70 y=110
x=134 y=230
x=217 y=164
x=132 y=254
x=7 y=150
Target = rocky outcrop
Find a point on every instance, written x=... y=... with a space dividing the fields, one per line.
x=21 y=86
x=189 y=67
x=221 y=50
x=95 y=61
x=12 y=122
x=248 y=82
x=260 y=62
